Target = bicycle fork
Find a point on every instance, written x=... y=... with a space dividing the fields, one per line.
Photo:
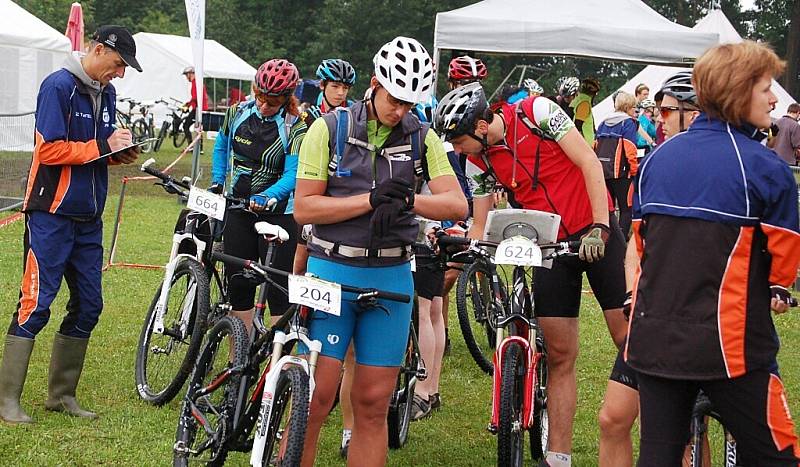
x=530 y=381
x=271 y=382
x=161 y=304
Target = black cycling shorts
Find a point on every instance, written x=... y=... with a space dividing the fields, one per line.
x=428 y=278
x=557 y=291
x=624 y=374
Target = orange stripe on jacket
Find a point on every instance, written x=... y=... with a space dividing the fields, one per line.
x=64 y=152
x=779 y=419
x=637 y=237
x=784 y=246
x=31 y=180
x=63 y=187
x=732 y=304
x=30 y=288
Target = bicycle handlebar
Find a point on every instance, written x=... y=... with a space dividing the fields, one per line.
x=363 y=293
x=171 y=182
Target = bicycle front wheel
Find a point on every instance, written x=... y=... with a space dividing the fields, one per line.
x=141 y=131
x=207 y=414
x=288 y=420
x=164 y=360
x=399 y=416
x=510 y=435
x=476 y=315
x=162 y=133
x=178 y=135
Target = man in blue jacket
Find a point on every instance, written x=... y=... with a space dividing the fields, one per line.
x=64 y=200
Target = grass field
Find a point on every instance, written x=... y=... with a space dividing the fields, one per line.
x=132 y=433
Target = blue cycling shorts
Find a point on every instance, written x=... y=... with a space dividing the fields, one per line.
x=379 y=338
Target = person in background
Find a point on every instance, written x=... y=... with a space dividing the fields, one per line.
x=63 y=206
x=566 y=90
x=715 y=263
x=533 y=88
x=616 y=148
x=191 y=104
x=641 y=92
x=235 y=96
x=255 y=158
x=787 y=141
x=646 y=135
x=582 y=108
x=464 y=70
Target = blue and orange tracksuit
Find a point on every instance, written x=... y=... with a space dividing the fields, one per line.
x=716 y=224
x=64 y=201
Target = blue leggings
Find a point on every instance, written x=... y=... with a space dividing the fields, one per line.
x=379 y=338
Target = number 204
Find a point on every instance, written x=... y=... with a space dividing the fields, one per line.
x=315 y=294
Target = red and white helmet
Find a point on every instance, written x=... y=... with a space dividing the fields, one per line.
x=277 y=77
x=466 y=67
x=404 y=69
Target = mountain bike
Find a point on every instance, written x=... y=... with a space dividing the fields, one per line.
x=191 y=295
x=142 y=127
x=220 y=413
x=702 y=413
x=412 y=370
x=519 y=386
x=173 y=126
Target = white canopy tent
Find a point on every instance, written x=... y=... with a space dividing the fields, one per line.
x=653 y=76
x=29 y=51
x=163 y=57
x=625 y=30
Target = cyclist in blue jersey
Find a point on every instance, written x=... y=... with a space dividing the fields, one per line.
x=255 y=157
x=363 y=214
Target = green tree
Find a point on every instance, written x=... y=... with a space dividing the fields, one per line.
x=777 y=22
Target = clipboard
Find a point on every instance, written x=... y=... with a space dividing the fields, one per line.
x=111 y=154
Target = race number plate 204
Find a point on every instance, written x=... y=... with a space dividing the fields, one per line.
x=318 y=294
x=518 y=251
x=203 y=201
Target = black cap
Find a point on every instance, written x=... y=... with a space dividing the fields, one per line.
x=121 y=40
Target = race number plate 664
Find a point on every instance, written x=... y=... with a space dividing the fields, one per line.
x=203 y=201
x=518 y=251
x=316 y=293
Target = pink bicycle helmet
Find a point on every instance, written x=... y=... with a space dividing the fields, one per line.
x=277 y=77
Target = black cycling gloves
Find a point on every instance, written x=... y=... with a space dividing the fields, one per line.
x=391 y=190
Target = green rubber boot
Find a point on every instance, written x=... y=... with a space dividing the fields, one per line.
x=66 y=364
x=16 y=356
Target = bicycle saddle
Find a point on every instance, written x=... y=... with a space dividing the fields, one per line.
x=273 y=232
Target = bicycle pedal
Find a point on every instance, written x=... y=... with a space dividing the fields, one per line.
x=492 y=429
x=422 y=374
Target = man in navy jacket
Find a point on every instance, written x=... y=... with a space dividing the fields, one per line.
x=64 y=201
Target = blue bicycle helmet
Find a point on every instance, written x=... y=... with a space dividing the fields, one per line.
x=336 y=69
x=424 y=110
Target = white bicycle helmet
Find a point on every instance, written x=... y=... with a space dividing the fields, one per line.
x=405 y=70
x=647 y=103
x=568 y=86
x=532 y=86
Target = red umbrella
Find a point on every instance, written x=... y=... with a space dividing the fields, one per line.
x=75 y=27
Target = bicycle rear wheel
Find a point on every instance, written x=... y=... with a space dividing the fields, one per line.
x=399 y=416
x=207 y=414
x=164 y=361
x=476 y=315
x=510 y=435
x=289 y=418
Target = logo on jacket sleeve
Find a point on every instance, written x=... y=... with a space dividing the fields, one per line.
x=106 y=116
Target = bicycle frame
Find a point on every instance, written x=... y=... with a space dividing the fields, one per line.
x=270 y=381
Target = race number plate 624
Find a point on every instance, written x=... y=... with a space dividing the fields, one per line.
x=316 y=293
x=518 y=251
x=203 y=201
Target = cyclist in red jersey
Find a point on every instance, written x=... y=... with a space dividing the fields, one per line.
x=533 y=150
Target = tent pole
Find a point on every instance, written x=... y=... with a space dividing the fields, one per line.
x=436 y=55
x=500 y=86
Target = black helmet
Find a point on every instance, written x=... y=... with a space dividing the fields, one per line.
x=336 y=69
x=459 y=109
x=680 y=87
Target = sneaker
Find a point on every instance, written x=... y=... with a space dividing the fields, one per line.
x=343 y=449
x=436 y=401
x=420 y=408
